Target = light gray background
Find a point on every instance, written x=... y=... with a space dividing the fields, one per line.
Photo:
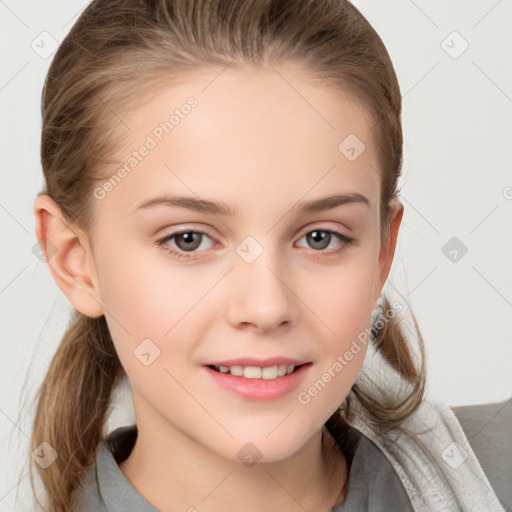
x=457 y=120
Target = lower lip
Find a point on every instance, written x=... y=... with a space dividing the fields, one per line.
x=260 y=389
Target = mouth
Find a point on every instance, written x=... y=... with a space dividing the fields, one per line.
x=258 y=372
x=258 y=383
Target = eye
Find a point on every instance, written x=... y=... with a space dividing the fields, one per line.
x=320 y=239
x=187 y=241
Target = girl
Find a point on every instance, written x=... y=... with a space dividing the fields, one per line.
x=267 y=136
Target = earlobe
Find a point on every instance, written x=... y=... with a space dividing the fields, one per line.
x=387 y=250
x=68 y=255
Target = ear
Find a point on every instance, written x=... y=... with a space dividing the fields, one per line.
x=387 y=250
x=68 y=255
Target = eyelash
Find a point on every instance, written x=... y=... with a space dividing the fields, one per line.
x=183 y=255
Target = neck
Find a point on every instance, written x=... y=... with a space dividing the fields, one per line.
x=175 y=473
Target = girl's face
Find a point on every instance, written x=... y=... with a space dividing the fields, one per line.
x=269 y=282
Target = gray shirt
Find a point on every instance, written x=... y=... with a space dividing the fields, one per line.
x=373 y=484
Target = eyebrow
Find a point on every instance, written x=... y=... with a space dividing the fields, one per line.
x=220 y=208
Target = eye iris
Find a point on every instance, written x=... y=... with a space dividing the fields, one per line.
x=322 y=235
x=188 y=237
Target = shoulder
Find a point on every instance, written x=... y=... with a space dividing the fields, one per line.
x=372 y=483
x=103 y=478
x=488 y=429
x=88 y=496
x=434 y=460
x=468 y=457
x=372 y=471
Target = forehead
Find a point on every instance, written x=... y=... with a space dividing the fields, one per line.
x=245 y=134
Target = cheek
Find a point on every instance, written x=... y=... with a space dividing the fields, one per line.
x=135 y=299
x=343 y=305
x=154 y=301
x=140 y=291
x=343 y=300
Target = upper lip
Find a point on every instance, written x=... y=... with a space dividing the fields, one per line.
x=251 y=361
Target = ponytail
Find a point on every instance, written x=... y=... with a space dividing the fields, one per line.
x=73 y=406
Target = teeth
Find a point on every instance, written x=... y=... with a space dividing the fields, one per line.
x=252 y=372
x=271 y=372
x=256 y=372
x=236 y=370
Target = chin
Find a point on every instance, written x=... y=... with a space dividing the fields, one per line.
x=252 y=447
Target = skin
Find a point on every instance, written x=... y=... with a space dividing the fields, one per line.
x=261 y=146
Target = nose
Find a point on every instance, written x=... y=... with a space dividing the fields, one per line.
x=262 y=295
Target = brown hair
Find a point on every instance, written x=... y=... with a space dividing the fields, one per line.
x=116 y=53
